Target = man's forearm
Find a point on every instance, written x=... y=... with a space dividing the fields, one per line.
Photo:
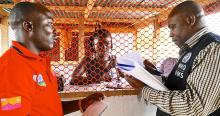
x=70 y=106
x=174 y=102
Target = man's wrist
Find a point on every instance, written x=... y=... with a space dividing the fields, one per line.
x=145 y=93
x=80 y=106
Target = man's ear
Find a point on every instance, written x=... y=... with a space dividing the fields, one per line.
x=28 y=26
x=191 y=20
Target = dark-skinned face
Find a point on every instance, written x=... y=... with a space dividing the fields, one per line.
x=179 y=29
x=102 y=46
x=44 y=34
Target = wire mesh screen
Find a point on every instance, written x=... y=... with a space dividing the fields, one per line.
x=93 y=33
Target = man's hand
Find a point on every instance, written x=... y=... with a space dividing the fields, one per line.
x=86 y=102
x=112 y=61
x=135 y=83
x=120 y=73
x=148 y=63
x=150 y=67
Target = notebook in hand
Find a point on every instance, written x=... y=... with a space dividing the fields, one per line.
x=96 y=109
x=133 y=67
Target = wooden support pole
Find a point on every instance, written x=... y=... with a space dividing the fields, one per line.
x=81 y=38
x=4 y=39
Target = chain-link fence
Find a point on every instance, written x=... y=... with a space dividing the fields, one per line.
x=93 y=33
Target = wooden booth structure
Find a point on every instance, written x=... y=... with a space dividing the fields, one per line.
x=139 y=25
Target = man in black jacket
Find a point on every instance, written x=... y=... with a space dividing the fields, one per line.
x=194 y=81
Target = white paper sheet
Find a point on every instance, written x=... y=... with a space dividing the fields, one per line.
x=133 y=67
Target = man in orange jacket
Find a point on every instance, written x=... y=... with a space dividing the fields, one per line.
x=27 y=86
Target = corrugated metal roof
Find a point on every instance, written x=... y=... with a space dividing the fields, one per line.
x=108 y=12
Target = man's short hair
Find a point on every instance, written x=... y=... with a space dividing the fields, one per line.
x=24 y=11
x=101 y=33
x=187 y=7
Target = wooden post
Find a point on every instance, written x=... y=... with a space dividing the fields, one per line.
x=135 y=40
x=4 y=39
x=155 y=39
x=81 y=38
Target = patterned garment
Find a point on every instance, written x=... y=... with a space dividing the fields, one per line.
x=167 y=66
x=202 y=95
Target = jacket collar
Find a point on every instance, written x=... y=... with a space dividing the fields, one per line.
x=24 y=51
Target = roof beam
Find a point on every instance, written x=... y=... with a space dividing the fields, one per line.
x=104 y=9
x=112 y=29
x=66 y=20
x=76 y=20
x=125 y=9
x=3 y=13
x=16 y=1
x=90 y=5
x=6 y=5
x=67 y=8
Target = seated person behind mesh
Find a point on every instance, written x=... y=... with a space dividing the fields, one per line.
x=97 y=62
